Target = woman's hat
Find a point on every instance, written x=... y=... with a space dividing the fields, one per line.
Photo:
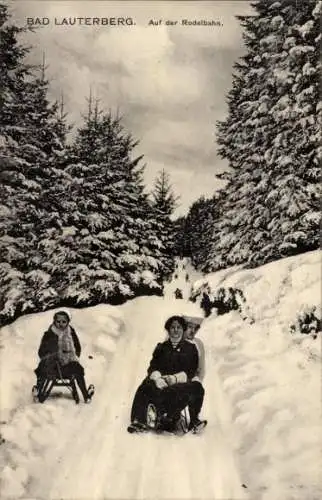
x=65 y=312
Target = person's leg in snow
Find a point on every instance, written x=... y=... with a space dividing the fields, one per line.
x=176 y=398
x=197 y=393
x=40 y=379
x=166 y=401
x=75 y=369
x=146 y=393
x=169 y=403
x=47 y=368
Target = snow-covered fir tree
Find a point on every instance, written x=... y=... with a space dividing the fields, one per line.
x=163 y=196
x=194 y=232
x=13 y=76
x=271 y=139
x=76 y=225
x=164 y=202
x=103 y=246
x=27 y=136
x=180 y=237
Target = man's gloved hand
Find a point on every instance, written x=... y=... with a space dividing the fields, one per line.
x=160 y=383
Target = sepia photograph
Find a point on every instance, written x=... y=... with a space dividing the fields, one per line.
x=160 y=262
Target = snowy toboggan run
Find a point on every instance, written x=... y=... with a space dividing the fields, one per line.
x=97 y=458
x=259 y=440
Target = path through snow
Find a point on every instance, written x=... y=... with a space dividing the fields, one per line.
x=96 y=458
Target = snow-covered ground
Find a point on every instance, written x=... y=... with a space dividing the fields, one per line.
x=184 y=278
x=262 y=400
x=61 y=450
x=271 y=379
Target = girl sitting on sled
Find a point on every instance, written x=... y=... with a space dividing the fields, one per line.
x=60 y=345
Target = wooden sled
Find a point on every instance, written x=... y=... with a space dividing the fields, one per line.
x=42 y=391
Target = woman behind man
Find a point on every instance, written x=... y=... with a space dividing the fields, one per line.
x=60 y=344
x=169 y=383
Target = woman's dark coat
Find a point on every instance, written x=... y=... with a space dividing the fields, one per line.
x=169 y=360
x=48 y=353
x=49 y=343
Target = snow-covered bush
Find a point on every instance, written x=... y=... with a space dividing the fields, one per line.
x=222 y=299
x=307 y=321
x=228 y=299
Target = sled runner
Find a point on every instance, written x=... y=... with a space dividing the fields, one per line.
x=155 y=422
x=42 y=391
x=158 y=423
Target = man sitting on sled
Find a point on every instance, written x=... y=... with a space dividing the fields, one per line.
x=169 y=385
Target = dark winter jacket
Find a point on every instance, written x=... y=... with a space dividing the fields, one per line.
x=49 y=343
x=169 y=360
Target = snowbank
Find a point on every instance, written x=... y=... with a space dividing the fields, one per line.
x=271 y=377
x=28 y=430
